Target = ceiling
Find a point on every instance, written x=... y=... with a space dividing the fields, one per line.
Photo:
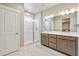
x=37 y=7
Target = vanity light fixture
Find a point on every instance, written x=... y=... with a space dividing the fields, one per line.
x=65 y=12
x=68 y=11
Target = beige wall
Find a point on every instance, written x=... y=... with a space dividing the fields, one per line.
x=20 y=7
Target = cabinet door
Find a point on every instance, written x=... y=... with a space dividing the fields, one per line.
x=44 y=40
x=66 y=46
x=70 y=49
x=60 y=45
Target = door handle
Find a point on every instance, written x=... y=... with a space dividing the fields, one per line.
x=17 y=33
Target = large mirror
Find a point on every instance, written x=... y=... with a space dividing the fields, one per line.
x=64 y=23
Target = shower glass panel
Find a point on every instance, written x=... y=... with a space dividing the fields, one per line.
x=28 y=29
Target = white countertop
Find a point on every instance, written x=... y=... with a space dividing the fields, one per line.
x=74 y=34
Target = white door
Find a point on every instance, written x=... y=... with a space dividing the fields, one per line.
x=1 y=30
x=11 y=30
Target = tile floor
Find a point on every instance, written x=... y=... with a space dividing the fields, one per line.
x=36 y=50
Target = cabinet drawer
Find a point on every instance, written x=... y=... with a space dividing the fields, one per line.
x=51 y=35
x=52 y=45
x=66 y=37
x=53 y=40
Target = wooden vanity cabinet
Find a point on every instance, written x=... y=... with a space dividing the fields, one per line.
x=66 y=44
x=44 y=39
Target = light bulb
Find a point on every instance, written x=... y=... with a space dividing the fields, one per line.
x=66 y=12
x=62 y=13
x=72 y=10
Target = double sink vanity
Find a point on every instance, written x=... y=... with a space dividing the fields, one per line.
x=64 y=42
x=61 y=34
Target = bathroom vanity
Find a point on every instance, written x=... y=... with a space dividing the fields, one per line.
x=64 y=42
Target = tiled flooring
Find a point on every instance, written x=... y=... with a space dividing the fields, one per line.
x=36 y=50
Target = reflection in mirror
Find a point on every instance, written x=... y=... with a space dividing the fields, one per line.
x=66 y=24
x=47 y=24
